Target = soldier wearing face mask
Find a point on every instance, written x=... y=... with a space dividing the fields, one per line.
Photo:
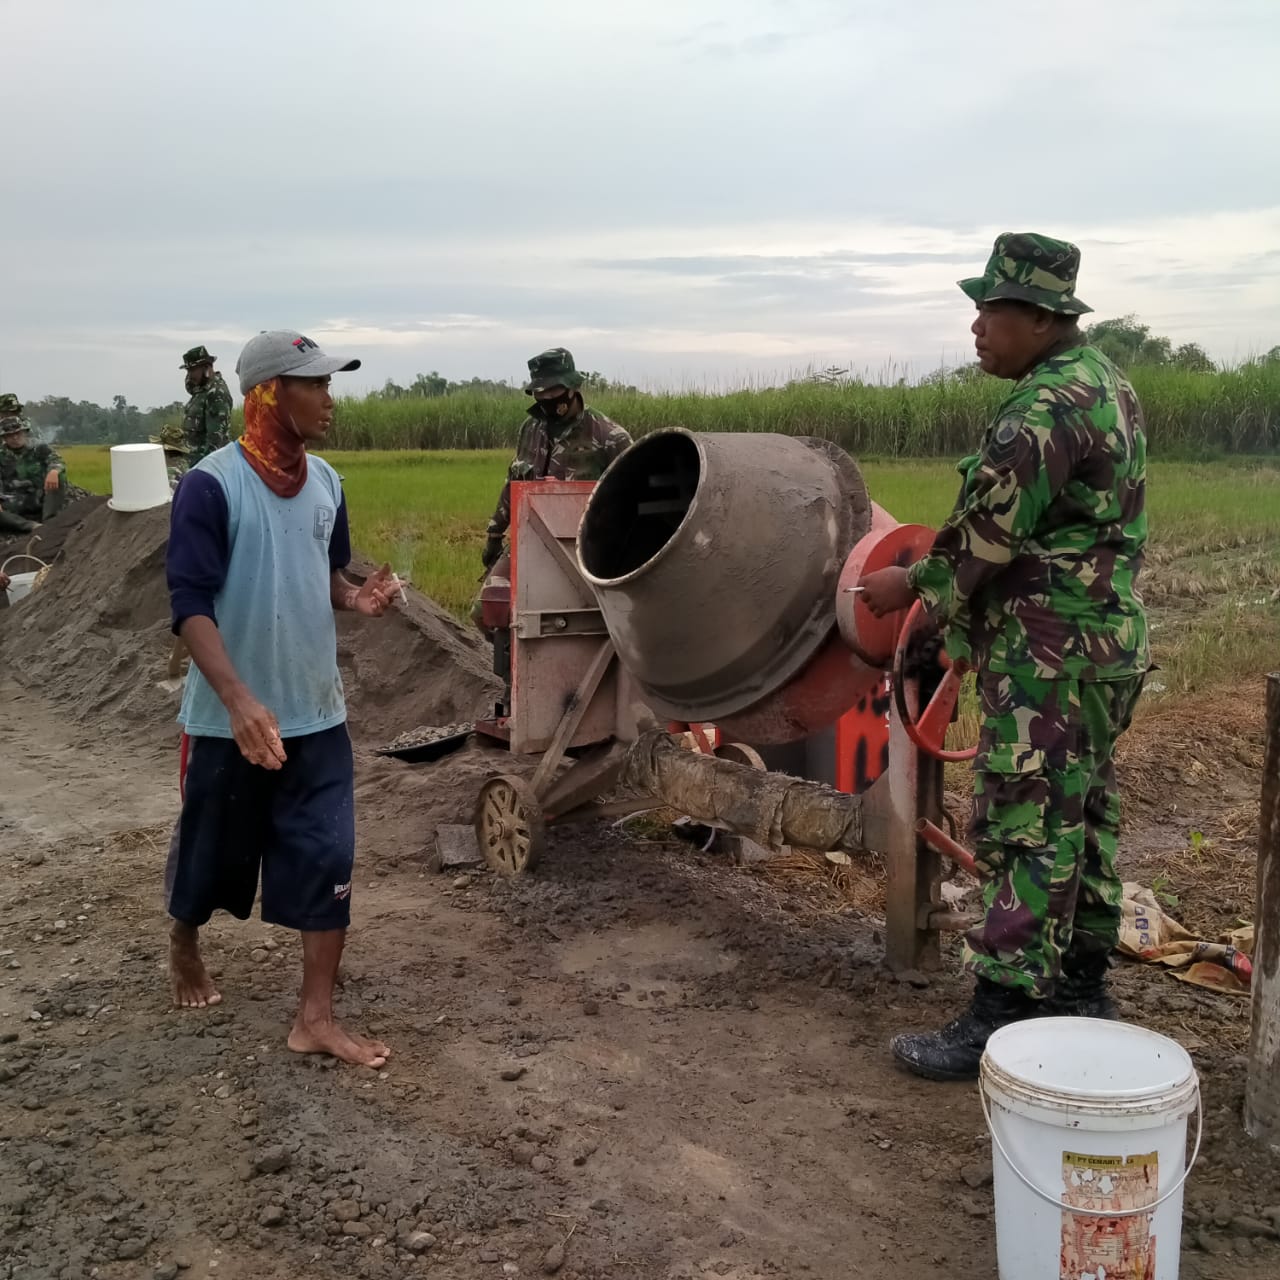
x=561 y=439
x=206 y=422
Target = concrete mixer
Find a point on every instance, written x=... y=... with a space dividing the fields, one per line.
x=704 y=591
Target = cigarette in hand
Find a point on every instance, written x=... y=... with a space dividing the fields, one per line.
x=849 y=590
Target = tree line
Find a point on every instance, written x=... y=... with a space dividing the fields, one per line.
x=1126 y=340
x=433 y=385
x=83 y=422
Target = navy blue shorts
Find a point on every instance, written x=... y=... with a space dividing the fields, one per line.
x=296 y=825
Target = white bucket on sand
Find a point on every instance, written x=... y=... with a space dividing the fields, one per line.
x=139 y=479
x=1088 y=1125
x=20 y=585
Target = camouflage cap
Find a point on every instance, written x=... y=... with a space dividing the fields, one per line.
x=9 y=403
x=172 y=438
x=1025 y=267
x=197 y=355
x=11 y=426
x=553 y=368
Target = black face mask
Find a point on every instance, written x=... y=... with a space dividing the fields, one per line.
x=550 y=410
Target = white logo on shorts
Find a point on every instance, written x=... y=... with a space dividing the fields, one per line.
x=341 y=891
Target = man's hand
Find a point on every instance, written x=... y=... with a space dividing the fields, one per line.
x=375 y=596
x=886 y=591
x=52 y=481
x=492 y=552
x=256 y=731
x=4 y=581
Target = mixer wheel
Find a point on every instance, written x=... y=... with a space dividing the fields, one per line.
x=510 y=826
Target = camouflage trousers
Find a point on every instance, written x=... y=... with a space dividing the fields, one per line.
x=1046 y=820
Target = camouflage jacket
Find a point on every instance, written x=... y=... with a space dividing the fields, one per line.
x=581 y=449
x=1036 y=570
x=22 y=475
x=206 y=421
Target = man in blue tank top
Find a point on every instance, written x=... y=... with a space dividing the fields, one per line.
x=257 y=547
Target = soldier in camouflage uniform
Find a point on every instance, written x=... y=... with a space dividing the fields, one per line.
x=1034 y=577
x=561 y=439
x=206 y=421
x=33 y=478
x=177 y=453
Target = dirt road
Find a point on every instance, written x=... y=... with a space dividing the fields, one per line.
x=672 y=1067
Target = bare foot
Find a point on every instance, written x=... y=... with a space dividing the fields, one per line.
x=192 y=986
x=328 y=1037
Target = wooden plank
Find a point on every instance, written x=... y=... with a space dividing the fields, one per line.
x=1262 y=1092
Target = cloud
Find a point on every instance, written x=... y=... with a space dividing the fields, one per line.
x=457 y=187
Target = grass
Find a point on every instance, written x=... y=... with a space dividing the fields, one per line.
x=1214 y=559
x=1188 y=414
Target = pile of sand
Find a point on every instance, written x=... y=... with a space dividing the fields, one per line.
x=95 y=637
x=47 y=541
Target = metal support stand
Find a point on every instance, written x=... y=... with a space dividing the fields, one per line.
x=914 y=792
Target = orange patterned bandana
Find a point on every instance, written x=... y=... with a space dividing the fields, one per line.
x=271 y=445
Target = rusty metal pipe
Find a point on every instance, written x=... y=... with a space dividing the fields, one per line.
x=773 y=809
x=940 y=842
x=952 y=921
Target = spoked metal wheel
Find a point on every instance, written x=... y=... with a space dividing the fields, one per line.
x=510 y=827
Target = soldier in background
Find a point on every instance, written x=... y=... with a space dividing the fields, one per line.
x=33 y=478
x=206 y=422
x=560 y=439
x=177 y=453
x=1034 y=579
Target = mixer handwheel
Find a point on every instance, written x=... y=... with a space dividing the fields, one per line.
x=927 y=726
x=510 y=826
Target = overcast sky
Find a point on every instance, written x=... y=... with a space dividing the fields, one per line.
x=682 y=191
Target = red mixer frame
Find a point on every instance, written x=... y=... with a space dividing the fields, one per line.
x=573 y=711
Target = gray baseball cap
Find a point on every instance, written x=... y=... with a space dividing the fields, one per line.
x=284 y=352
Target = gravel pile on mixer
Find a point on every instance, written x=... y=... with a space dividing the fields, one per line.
x=424 y=736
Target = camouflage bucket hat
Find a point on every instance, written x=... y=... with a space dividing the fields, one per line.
x=172 y=439
x=197 y=355
x=9 y=404
x=11 y=426
x=1025 y=267
x=552 y=368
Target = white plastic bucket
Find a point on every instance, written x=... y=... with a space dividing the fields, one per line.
x=20 y=585
x=139 y=480
x=1088 y=1125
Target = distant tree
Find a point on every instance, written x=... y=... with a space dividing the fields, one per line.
x=391 y=390
x=1129 y=342
x=1193 y=357
x=961 y=375
x=485 y=386
x=82 y=422
x=429 y=385
x=597 y=382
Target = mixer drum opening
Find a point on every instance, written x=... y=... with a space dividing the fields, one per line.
x=639 y=505
x=715 y=558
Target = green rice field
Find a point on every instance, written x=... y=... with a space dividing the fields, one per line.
x=1214 y=561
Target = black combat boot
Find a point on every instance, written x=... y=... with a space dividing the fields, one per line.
x=955 y=1052
x=1082 y=989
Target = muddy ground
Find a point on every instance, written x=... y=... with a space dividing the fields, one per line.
x=671 y=1066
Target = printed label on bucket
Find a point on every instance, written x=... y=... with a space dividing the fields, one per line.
x=1095 y=1246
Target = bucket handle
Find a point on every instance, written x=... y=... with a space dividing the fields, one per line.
x=22 y=556
x=1056 y=1201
